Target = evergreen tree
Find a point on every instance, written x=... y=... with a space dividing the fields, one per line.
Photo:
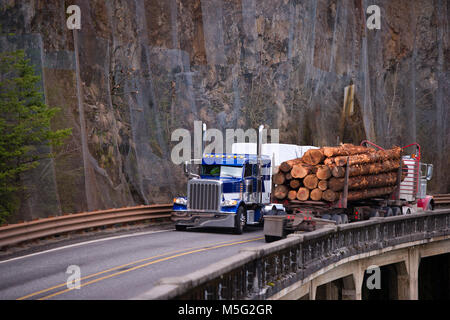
x=24 y=126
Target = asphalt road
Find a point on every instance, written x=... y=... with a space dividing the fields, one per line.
x=118 y=267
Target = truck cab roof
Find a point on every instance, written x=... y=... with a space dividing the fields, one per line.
x=234 y=159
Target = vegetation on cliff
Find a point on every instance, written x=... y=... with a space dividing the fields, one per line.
x=24 y=127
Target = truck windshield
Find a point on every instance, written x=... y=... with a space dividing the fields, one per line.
x=221 y=171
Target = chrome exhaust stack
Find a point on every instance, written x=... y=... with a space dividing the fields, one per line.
x=203 y=138
x=259 y=153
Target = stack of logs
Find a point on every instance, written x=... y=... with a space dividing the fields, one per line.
x=320 y=174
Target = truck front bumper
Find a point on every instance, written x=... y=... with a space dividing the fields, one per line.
x=202 y=219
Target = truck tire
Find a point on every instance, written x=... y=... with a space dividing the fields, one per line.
x=389 y=212
x=241 y=220
x=344 y=218
x=271 y=238
x=337 y=218
x=396 y=211
x=180 y=228
x=374 y=213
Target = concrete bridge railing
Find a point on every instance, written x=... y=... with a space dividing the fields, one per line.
x=261 y=273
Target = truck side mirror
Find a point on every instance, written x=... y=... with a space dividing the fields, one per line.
x=186 y=168
x=429 y=171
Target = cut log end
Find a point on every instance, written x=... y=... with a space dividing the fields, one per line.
x=338 y=172
x=316 y=194
x=322 y=185
x=292 y=195
x=280 y=192
x=323 y=172
x=294 y=184
x=300 y=171
x=329 y=195
x=310 y=181
x=303 y=194
x=313 y=156
x=279 y=178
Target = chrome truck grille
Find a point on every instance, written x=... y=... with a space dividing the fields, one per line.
x=204 y=195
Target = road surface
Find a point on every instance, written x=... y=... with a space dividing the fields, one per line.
x=118 y=267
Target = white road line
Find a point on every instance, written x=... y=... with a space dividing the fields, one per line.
x=84 y=243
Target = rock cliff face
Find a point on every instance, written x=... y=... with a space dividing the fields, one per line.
x=139 y=69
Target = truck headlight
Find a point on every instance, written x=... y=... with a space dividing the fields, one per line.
x=181 y=201
x=229 y=203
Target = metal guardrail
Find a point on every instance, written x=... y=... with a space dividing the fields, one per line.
x=36 y=229
x=259 y=273
x=441 y=200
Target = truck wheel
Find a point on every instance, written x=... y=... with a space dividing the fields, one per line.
x=374 y=213
x=241 y=220
x=337 y=218
x=344 y=218
x=389 y=212
x=397 y=211
x=180 y=228
x=271 y=238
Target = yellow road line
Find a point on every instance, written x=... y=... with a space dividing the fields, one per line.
x=147 y=264
x=193 y=250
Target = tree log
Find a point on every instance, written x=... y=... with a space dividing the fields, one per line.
x=313 y=157
x=280 y=192
x=301 y=170
x=380 y=155
x=294 y=183
x=345 y=150
x=329 y=195
x=338 y=172
x=310 y=181
x=363 y=182
x=279 y=178
x=322 y=185
x=323 y=172
x=288 y=176
x=369 y=193
x=286 y=166
x=292 y=195
x=364 y=169
x=316 y=194
x=303 y=194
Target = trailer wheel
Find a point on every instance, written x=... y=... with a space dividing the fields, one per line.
x=180 y=228
x=337 y=218
x=271 y=238
x=374 y=213
x=241 y=220
x=397 y=211
x=344 y=218
x=389 y=212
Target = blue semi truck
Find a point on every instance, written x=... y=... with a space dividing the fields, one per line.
x=232 y=190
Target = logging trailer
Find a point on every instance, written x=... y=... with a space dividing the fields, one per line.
x=232 y=190
x=408 y=197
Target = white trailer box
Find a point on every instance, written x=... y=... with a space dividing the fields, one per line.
x=276 y=151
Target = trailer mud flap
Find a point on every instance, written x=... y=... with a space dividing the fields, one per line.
x=274 y=225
